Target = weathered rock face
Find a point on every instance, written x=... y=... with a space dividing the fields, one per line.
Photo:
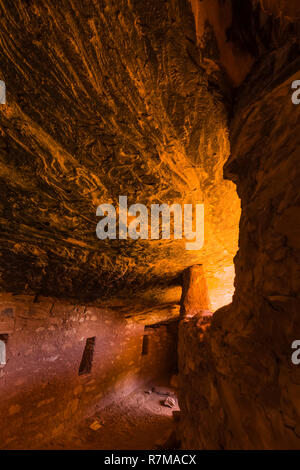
x=281 y=8
x=103 y=99
x=239 y=388
x=107 y=99
x=134 y=98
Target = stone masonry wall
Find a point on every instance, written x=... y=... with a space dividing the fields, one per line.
x=41 y=389
x=160 y=359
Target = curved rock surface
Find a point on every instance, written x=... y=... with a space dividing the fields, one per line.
x=239 y=386
x=107 y=99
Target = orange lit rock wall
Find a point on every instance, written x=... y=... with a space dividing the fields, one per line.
x=41 y=390
x=107 y=99
x=213 y=20
x=281 y=8
x=239 y=388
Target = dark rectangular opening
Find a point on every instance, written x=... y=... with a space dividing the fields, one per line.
x=145 y=348
x=87 y=356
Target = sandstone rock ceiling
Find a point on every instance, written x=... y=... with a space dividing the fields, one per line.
x=109 y=98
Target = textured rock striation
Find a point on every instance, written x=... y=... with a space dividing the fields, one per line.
x=150 y=99
x=106 y=99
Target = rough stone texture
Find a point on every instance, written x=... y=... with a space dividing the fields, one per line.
x=134 y=97
x=282 y=8
x=194 y=297
x=161 y=357
x=215 y=21
x=239 y=388
x=42 y=395
x=106 y=99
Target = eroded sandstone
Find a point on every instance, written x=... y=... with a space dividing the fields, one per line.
x=238 y=379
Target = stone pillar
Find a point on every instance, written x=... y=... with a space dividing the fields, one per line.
x=194 y=356
x=194 y=297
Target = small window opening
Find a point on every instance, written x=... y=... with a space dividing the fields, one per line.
x=87 y=357
x=3 y=341
x=145 y=348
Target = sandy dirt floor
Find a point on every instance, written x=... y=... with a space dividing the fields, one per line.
x=139 y=421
